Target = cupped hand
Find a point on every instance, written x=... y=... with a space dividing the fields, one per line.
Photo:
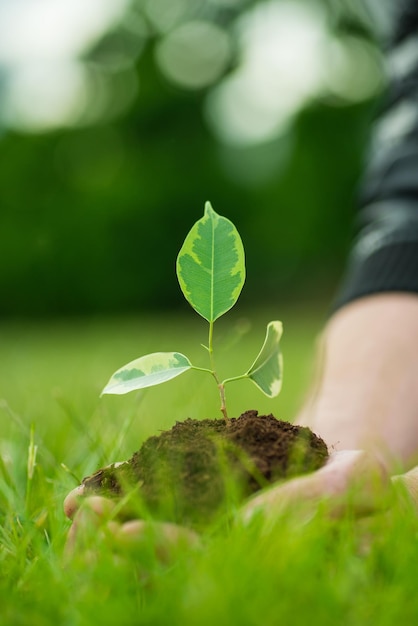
x=352 y=479
x=96 y=515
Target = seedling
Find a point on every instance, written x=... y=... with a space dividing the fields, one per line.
x=211 y=273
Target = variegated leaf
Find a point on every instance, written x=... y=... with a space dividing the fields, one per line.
x=147 y=371
x=267 y=370
x=211 y=265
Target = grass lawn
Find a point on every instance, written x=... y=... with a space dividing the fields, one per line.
x=295 y=571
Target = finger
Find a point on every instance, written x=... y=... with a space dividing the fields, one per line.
x=135 y=529
x=166 y=538
x=89 y=518
x=351 y=478
x=73 y=500
x=358 y=474
x=355 y=480
x=409 y=487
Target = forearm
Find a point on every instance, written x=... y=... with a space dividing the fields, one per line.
x=367 y=392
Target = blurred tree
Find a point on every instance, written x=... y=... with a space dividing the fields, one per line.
x=94 y=210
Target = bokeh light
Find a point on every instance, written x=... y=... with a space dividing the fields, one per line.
x=165 y=15
x=65 y=64
x=45 y=95
x=46 y=84
x=123 y=116
x=33 y=31
x=288 y=57
x=194 y=55
x=281 y=66
x=354 y=69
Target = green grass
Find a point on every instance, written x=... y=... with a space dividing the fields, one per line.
x=296 y=572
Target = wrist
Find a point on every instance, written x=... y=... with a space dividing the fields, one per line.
x=366 y=393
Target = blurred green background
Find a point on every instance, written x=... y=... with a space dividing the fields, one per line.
x=120 y=118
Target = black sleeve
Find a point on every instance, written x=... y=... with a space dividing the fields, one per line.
x=384 y=256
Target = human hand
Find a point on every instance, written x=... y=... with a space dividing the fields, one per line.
x=95 y=516
x=352 y=479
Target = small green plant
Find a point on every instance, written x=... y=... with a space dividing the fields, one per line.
x=211 y=273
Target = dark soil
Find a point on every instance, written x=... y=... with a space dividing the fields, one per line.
x=188 y=473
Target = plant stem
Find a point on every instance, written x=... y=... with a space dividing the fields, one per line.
x=223 y=399
x=210 y=346
x=221 y=387
x=231 y=380
x=214 y=374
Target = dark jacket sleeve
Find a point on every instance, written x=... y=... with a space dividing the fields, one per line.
x=384 y=255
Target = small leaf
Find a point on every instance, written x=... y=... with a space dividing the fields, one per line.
x=147 y=371
x=267 y=370
x=211 y=265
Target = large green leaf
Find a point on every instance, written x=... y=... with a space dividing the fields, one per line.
x=267 y=370
x=211 y=265
x=147 y=371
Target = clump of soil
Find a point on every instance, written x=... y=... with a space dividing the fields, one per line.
x=188 y=473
